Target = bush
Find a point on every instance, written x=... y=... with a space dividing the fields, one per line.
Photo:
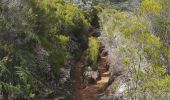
x=34 y=37
x=93 y=49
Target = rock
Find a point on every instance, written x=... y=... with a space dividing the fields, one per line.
x=107 y=97
x=121 y=88
x=90 y=76
x=65 y=73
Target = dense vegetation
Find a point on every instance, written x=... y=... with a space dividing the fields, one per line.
x=141 y=42
x=36 y=40
x=39 y=37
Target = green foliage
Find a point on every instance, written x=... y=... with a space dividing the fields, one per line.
x=62 y=39
x=141 y=49
x=60 y=17
x=157 y=12
x=151 y=6
x=34 y=36
x=93 y=49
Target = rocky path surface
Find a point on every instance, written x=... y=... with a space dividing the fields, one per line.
x=91 y=91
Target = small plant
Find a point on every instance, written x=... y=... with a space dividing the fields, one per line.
x=93 y=49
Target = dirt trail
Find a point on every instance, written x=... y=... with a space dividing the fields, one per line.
x=91 y=91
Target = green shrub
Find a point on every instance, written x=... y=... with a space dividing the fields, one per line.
x=93 y=49
x=34 y=37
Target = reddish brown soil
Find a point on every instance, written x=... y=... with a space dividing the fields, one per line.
x=91 y=91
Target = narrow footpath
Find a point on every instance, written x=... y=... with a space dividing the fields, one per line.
x=91 y=92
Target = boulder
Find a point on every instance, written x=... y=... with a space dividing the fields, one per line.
x=65 y=73
x=90 y=76
x=108 y=97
